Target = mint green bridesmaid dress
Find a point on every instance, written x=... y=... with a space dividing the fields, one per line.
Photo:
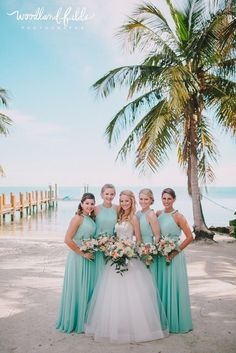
x=106 y=219
x=148 y=237
x=172 y=281
x=78 y=286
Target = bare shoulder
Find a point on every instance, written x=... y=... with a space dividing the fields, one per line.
x=76 y=220
x=116 y=207
x=179 y=218
x=158 y=212
x=152 y=215
x=134 y=218
x=178 y=215
x=97 y=209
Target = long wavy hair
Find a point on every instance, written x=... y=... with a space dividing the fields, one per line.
x=132 y=209
x=86 y=196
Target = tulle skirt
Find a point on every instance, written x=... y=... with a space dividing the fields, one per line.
x=127 y=308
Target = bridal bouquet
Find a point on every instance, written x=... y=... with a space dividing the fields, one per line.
x=104 y=240
x=120 y=252
x=165 y=246
x=146 y=252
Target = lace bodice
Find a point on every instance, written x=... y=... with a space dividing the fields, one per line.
x=124 y=230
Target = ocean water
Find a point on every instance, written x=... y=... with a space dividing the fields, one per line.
x=219 y=205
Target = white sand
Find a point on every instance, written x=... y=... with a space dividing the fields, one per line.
x=31 y=275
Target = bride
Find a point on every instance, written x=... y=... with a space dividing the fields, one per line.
x=126 y=308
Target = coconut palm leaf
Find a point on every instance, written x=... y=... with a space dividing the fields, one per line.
x=126 y=117
x=157 y=140
x=5 y=121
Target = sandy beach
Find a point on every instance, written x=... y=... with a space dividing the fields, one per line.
x=31 y=276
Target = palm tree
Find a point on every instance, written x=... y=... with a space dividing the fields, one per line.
x=185 y=83
x=5 y=121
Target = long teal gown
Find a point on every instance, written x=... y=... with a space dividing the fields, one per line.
x=78 y=286
x=148 y=237
x=106 y=219
x=172 y=281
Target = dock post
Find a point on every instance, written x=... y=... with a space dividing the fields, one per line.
x=41 y=199
x=33 y=201
x=56 y=193
x=46 y=198
x=3 y=205
x=37 y=200
x=22 y=204
x=30 y=203
x=1 y=209
x=13 y=206
x=50 y=195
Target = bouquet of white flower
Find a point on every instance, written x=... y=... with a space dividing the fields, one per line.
x=146 y=252
x=89 y=245
x=165 y=246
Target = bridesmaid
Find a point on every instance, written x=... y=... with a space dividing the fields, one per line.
x=106 y=218
x=79 y=271
x=149 y=226
x=172 y=278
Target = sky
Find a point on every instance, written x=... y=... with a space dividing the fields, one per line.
x=48 y=68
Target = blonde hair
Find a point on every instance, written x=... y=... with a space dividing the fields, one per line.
x=132 y=210
x=107 y=186
x=147 y=192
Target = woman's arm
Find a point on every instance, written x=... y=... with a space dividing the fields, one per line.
x=75 y=223
x=183 y=224
x=136 y=226
x=152 y=218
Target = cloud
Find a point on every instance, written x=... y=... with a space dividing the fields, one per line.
x=30 y=126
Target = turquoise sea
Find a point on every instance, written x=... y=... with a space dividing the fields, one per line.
x=219 y=205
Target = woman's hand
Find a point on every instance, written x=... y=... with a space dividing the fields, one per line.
x=171 y=255
x=88 y=255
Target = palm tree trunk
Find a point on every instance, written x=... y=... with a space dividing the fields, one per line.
x=200 y=229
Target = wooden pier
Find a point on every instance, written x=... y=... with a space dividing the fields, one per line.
x=28 y=203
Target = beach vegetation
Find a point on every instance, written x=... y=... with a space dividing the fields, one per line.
x=181 y=92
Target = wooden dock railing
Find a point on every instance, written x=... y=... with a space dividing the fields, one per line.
x=28 y=203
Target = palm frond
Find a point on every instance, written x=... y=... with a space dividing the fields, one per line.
x=3 y=96
x=207 y=152
x=158 y=137
x=148 y=30
x=196 y=13
x=227 y=68
x=125 y=77
x=206 y=41
x=129 y=114
x=2 y=174
x=5 y=121
x=181 y=84
x=226 y=114
x=206 y=149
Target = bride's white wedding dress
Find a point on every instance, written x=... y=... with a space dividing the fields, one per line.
x=126 y=308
